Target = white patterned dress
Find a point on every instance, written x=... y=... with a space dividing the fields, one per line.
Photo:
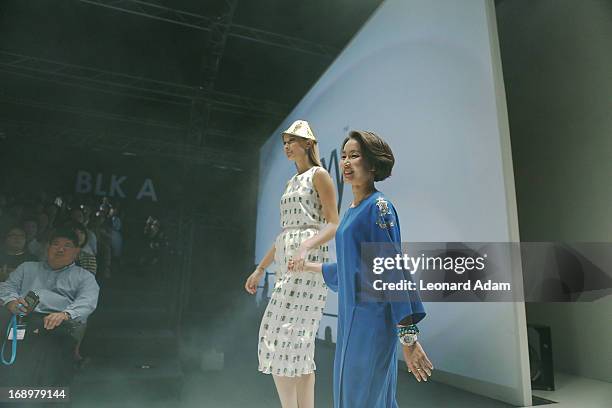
x=291 y=320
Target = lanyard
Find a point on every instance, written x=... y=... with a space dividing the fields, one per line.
x=13 y=326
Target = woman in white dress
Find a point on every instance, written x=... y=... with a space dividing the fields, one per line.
x=309 y=218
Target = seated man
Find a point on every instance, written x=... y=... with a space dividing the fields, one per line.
x=68 y=294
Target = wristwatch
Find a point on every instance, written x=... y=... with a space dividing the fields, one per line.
x=408 y=334
x=68 y=315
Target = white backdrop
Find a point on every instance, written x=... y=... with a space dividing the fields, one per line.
x=425 y=75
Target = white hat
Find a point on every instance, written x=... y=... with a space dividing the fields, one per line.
x=300 y=128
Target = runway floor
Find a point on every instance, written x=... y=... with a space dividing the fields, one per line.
x=247 y=388
x=239 y=384
x=138 y=361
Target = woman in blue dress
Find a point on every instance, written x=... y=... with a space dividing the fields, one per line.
x=365 y=365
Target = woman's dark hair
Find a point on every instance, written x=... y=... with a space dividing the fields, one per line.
x=376 y=151
x=78 y=226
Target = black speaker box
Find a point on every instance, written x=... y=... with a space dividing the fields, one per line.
x=540 y=357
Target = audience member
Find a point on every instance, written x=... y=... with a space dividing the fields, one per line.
x=77 y=215
x=43 y=226
x=85 y=260
x=3 y=214
x=13 y=252
x=66 y=290
x=34 y=246
x=52 y=211
x=68 y=295
x=100 y=224
x=116 y=237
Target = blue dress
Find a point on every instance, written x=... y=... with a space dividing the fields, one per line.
x=365 y=365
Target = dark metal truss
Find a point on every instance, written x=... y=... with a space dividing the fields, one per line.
x=187 y=19
x=134 y=86
x=115 y=117
x=192 y=20
x=201 y=110
x=76 y=110
x=137 y=120
x=127 y=144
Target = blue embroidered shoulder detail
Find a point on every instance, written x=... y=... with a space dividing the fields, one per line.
x=385 y=218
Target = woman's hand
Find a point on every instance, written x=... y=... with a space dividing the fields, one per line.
x=299 y=259
x=417 y=361
x=295 y=265
x=253 y=280
x=307 y=267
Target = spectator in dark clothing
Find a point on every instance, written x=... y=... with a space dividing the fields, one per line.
x=13 y=252
x=116 y=239
x=85 y=260
x=77 y=215
x=52 y=211
x=102 y=228
x=43 y=226
x=4 y=216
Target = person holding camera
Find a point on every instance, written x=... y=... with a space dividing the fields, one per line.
x=67 y=295
x=66 y=290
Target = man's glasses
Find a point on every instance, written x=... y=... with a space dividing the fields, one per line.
x=65 y=246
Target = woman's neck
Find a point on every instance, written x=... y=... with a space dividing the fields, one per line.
x=361 y=192
x=14 y=251
x=303 y=165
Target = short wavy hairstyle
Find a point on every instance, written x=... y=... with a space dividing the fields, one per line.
x=376 y=151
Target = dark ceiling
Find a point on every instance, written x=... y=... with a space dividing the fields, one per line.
x=143 y=76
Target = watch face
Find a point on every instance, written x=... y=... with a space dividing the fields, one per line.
x=408 y=339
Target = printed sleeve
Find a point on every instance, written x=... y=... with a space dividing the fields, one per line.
x=406 y=305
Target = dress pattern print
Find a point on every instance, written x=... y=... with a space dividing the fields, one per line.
x=291 y=319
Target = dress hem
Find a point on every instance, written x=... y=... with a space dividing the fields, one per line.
x=269 y=371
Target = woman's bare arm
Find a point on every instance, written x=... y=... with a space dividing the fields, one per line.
x=325 y=187
x=267 y=259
